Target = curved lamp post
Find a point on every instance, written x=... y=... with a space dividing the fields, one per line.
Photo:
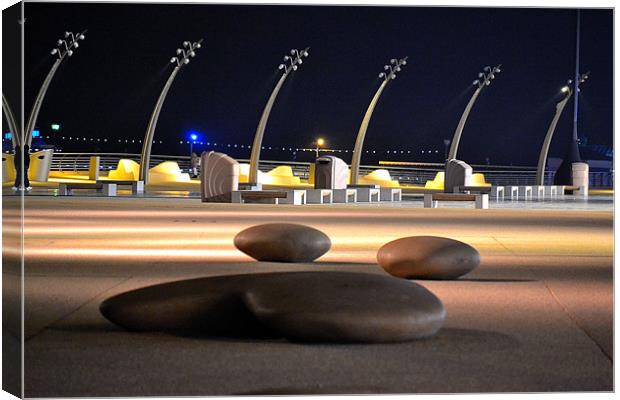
x=10 y=118
x=290 y=64
x=63 y=49
x=484 y=79
x=387 y=75
x=182 y=58
x=559 y=107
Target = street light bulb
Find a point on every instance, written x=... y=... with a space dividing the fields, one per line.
x=381 y=75
x=397 y=69
x=488 y=83
x=393 y=61
x=59 y=42
x=299 y=61
x=305 y=53
x=185 y=44
x=186 y=61
x=179 y=51
x=480 y=75
x=70 y=53
x=393 y=76
x=565 y=89
x=294 y=67
x=173 y=59
x=292 y=52
x=286 y=58
x=54 y=51
x=280 y=66
x=198 y=45
x=386 y=67
x=76 y=45
x=67 y=34
x=474 y=83
x=191 y=53
x=320 y=141
x=81 y=37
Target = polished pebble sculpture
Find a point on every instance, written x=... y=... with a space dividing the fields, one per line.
x=427 y=257
x=281 y=242
x=336 y=307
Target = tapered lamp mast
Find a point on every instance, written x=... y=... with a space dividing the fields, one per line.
x=388 y=75
x=291 y=63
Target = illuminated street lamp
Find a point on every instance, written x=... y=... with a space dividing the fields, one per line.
x=291 y=63
x=64 y=47
x=319 y=142
x=388 y=74
x=484 y=79
x=559 y=107
x=182 y=58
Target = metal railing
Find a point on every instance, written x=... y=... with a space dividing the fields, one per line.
x=416 y=173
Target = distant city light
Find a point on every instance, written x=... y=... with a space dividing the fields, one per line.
x=55 y=127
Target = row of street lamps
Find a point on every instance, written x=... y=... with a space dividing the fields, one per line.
x=291 y=62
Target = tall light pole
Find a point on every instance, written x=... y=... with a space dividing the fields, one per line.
x=291 y=63
x=319 y=142
x=182 y=58
x=484 y=79
x=559 y=107
x=64 y=47
x=388 y=74
x=10 y=118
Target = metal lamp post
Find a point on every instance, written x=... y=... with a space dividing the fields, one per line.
x=291 y=63
x=559 y=107
x=484 y=79
x=319 y=142
x=387 y=75
x=182 y=58
x=65 y=47
x=10 y=118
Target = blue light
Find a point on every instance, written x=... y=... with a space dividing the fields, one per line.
x=193 y=135
x=36 y=133
x=8 y=135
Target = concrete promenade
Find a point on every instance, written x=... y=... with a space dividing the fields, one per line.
x=536 y=316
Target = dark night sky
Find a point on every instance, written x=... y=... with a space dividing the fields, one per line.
x=108 y=88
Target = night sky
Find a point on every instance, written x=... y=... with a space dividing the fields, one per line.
x=110 y=85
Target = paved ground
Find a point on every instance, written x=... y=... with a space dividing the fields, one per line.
x=536 y=316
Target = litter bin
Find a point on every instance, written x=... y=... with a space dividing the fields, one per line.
x=40 y=163
x=330 y=173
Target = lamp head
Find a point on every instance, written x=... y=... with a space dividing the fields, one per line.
x=476 y=82
x=280 y=66
x=294 y=67
x=82 y=37
x=381 y=75
x=54 y=51
x=70 y=53
x=173 y=60
x=565 y=89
